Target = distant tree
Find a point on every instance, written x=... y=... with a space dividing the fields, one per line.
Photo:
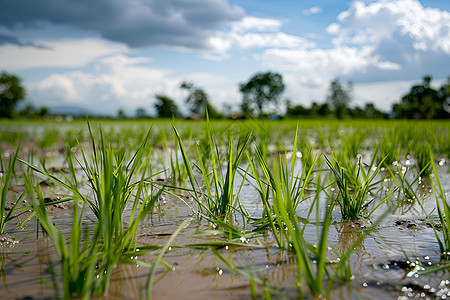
x=260 y=90
x=121 y=114
x=357 y=112
x=339 y=97
x=198 y=100
x=314 y=109
x=247 y=109
x=370 y=111
x=323 y=110
x=141 y=113
x=398 y=110
x=444 y=94
x=422 y=102
x=11 y=92
x=28 y=111
x=444 y=90
x=297 y=111
x=44 y=111
x=166 y=107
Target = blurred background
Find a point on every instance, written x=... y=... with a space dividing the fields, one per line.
x=336 y=59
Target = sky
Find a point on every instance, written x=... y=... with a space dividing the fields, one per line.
x=106 y=55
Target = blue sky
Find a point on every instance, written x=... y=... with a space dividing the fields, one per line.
x=109 y=54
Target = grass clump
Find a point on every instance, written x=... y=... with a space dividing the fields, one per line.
x=217 y=199
x=85 y=268
x=353 y=201
x=116 y=180
x=5 y=179
x=423 y=157
x=443 y=210
x=280 y=182
x=286 y=190
x=88 y=260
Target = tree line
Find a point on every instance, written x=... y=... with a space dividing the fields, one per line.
x=262 y=98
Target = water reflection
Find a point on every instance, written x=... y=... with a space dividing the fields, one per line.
x=350 y=236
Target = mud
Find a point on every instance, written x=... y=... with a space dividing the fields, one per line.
x=383 y=265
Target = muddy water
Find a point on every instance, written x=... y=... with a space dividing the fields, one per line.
x=31 y=269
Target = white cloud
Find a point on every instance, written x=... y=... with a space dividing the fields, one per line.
x=383 y=94
x=373 y=40
x=279 y=39
x=312 y=10
x=425 y=29
x=250 y=23
x=387 y=65
x=325 y=63
x=254 y=32
x=118 y=82
x=62 y=53
x=380 y=35
x=333 y=28
x=308 y=72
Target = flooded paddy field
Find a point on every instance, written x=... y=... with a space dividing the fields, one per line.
x=225 y=210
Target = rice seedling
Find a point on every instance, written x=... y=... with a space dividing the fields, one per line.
x=286 y=191
x=443 y=210
x=293 y=184
x=14 y=137
x=291 y=189
x=353 y=203
x=49 y=139
x=351 y=143
x=6 y=175
x=444 y=143
x=406 y=194
x=423 y=157
x=313 y=270
x=220 y=200
x=351 y=165
x=84 y=270
x=114 y=178
x=311 y=260
x=117 y=181
x=89 y=259
x=114 y=181
x=389 y=149
x=309 y=272
x=261 y=131
x=178 y=169
x=71 y=137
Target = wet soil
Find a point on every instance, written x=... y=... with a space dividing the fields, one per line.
x=384 y=265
